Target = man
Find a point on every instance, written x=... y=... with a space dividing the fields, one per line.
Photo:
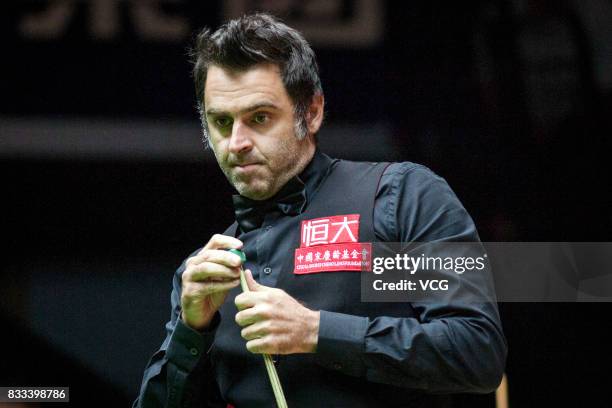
x=261 y=106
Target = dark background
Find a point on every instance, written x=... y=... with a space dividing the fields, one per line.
x=107 y=186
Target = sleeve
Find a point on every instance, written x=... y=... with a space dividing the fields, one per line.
x=447 y=347
x=179 y=374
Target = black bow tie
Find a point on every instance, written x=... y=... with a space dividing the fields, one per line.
x=290 y=200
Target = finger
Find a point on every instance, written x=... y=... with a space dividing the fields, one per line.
x=251 y=282
x=258 y=346
x=249 y=316
x=202 y=289
x=249 y=299
x=224 y=286
x=219 y=241
x=211 y=271
x=255 y=331
x=219 y=256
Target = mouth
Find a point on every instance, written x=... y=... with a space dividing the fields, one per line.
x=246 y=166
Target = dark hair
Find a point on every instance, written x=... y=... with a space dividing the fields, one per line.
x=254 y=39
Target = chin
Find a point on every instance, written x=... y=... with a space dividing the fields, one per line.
x=253 y=192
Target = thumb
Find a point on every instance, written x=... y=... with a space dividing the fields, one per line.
x=251 y=283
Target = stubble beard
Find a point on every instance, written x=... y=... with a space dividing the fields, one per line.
x=278 y=170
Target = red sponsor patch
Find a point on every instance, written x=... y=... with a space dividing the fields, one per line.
x=331 y=244
x=335 y=229
x=354 y=256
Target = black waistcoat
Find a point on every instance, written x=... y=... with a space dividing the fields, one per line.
x=348 y=188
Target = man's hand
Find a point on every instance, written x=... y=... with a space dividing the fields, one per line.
x=207 y=279
x=275 y=323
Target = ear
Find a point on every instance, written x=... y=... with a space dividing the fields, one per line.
x=314 y=116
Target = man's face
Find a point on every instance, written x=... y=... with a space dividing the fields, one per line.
x=251 y=129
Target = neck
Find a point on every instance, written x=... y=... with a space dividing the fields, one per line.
x=304 y=160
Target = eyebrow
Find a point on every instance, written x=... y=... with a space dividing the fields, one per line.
x=213 y=111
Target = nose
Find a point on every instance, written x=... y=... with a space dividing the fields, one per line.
x=240 y=140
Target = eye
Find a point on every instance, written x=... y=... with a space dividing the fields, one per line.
x=260 y=118
x=222 y=122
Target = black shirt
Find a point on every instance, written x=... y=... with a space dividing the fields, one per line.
x=411 y=204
